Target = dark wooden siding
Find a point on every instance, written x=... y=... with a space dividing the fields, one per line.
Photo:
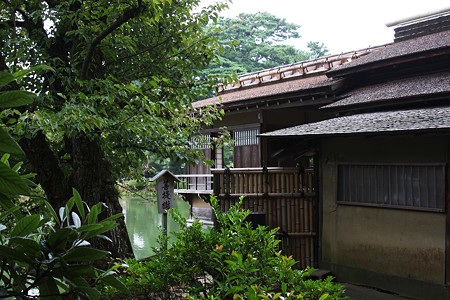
x=200 y=167
x=247 y=156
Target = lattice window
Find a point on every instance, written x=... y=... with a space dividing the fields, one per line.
x=419 y=187
x=201 y=141
x=246 y=137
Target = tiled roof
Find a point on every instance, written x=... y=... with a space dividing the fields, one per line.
x=283 y=79
x=425 y=120
x=267 y=90
x=432 y=42
x=396 y=90
x=295 y=70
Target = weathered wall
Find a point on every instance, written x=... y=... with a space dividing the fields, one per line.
x=242 y=117
x=396 y=243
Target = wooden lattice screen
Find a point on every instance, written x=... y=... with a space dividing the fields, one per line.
x=285 y=196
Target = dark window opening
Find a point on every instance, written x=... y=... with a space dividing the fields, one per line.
x=420 y=187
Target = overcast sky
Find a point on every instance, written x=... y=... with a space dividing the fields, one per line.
x=343 y=25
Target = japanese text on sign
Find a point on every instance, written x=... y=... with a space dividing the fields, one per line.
x=165 y=190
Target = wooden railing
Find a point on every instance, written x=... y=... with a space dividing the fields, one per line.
x=267 y=182
x=254 y=182
x=194 y=184
x=283 y=198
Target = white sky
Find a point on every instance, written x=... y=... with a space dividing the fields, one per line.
x=342 y=25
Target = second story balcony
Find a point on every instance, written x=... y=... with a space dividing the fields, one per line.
x=251 y=182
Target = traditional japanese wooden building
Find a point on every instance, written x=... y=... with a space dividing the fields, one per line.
x=348 y=155
x=280 y=189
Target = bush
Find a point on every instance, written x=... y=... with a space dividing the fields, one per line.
x=231 y=261
x=45 y=254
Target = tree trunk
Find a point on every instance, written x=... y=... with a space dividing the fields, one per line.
x=48 y=170
x=91 y=176
x=93 y=179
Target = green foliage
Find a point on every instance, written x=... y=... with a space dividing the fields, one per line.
x=317 y=49
x=231 y=261
x=51 y=253
x=253 y=42
x=123 y=72
x=48 y=254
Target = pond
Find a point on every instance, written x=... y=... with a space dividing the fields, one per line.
x=144 y=222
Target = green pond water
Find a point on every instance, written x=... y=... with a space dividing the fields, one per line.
x=144 y=223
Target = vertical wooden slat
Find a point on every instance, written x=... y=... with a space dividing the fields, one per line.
x=291 y=214
x=284 y=215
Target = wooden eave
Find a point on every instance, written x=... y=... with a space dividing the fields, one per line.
x=391 y=66
x=389 y=104
x=311 y=97
x=428 y=120
x=403 y=92
x=417 y=49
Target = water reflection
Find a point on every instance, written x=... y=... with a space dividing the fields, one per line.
x=144 y=223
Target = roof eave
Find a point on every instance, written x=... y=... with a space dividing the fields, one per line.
x=347 y=70
x=354 y=134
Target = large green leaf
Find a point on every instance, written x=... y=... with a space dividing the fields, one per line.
x=113 y=281
x=79 y=202
x=8 y=253
x=74 y=271
x=52 y=212
x=28 y=245
x=26 y=225
x=48 y=289
x=90 y=227
x=9 y=207
x=94 y=212
x=113 y=217
x=8 y=144
x=82 y=254
x=6 y=78
x=15 y=98
x=58 y=240
x=11 y=184
x=21 y=73
x=90 y=232
x=91 y=293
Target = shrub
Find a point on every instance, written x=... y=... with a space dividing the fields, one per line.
x=45 y=254
x=232 y=261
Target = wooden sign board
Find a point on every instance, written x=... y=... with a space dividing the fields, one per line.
x=165 y=185
x=164 y=192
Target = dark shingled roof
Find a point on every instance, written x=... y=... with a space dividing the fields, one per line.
x=417 y=120
x=397 y=90
x=432 y=42
x=288 y=86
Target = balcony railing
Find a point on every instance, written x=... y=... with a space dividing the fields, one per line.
x=254 y=182
x=268 y=182
x=194 y=184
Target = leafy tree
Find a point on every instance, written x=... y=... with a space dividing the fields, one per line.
x=317 y=49
x=45 y=252
x=124 y=77
x=253 y=42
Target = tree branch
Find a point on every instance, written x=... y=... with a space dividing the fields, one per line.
x=125 y=17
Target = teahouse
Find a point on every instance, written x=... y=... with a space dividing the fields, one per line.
x=348 y=156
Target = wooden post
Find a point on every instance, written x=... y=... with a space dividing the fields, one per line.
x=164 y=223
